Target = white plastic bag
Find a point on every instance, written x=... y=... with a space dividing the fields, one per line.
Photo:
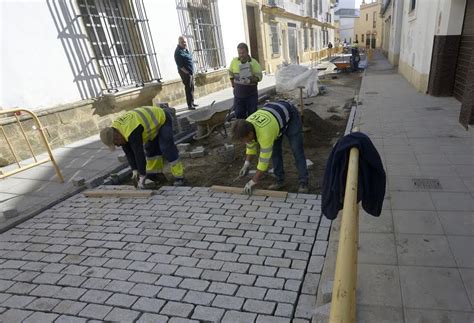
x=290 y=77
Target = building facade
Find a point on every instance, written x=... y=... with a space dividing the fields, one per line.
x=368 y=26
x=293 y=31
x=79 y=63
x=432 y=43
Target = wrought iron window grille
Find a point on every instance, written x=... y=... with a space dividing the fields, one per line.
x=200 y=25
x=120 y=37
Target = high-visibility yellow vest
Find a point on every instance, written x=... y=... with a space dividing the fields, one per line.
x=150 y=118
x=234 y=69
x=267 y=130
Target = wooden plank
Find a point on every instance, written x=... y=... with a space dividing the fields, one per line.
x=238 y=190
x=118 y=193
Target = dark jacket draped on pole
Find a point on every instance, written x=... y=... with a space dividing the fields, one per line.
x=371 y=180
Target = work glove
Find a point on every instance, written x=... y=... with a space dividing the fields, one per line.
x=248 y=188
x=245 y=169
x=135 y=177
x=144 y=183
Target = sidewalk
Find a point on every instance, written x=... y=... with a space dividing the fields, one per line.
x=34 y=190
x=416 y=261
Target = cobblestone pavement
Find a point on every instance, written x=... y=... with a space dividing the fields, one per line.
x=182 y=255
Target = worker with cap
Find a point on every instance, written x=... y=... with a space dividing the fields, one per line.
x=244 y=73
x=145 y=135
x=265 y=128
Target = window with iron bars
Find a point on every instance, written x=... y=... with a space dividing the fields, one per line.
x=274 y=39
x=200 y=25
x=305 y=39
x=120 y=37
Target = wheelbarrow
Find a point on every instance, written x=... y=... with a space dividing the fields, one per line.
x=208 y=120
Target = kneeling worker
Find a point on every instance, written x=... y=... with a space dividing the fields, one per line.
x=266 y=128
x=145 y=131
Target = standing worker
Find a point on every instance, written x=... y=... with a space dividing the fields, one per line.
x=184 y=62
x=245 y=72
x=145 y=131
x=266 y=128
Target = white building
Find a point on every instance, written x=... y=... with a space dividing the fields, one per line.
x=56 y=52
x=345 y=14
x=432 y=43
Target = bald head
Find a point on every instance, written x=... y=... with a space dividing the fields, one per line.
x=182 y=42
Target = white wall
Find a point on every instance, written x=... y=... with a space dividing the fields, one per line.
x=35 y=71
x=450 y=17
x=418 y=30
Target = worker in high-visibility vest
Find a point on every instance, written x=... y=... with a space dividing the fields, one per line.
x=146 y=135
x=266 y=128
x=244 y=73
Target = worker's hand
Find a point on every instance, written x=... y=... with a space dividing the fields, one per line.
x=144 y=183
x=245 y=169
x=135 y=175
x=248 y=188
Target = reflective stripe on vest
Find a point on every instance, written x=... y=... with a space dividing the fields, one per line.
x=152 y=116
x=280 y=112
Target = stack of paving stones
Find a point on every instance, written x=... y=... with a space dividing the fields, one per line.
x=183 y=255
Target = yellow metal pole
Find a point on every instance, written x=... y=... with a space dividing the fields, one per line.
x=11 y=147
x=343 y=305
x=26 y=138
x=46 y=143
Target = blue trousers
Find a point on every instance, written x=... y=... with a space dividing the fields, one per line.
x=243 y=107
x=294 y=133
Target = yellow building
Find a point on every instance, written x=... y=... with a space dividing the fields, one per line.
x=368 y=27
x=293 y=31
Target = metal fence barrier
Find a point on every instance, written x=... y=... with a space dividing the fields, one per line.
x=343 y=304
x=39 y=127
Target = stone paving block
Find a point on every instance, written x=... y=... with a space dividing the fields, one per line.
x=226 y=256
x=277 y=262
x=18 y=301
x=169 y=281
x=21 y=288
x=122 y=315
x=98 y=283
x=147 y=290
x=292 y=285
x=71 y=280
x=164 y=269
x=235 y=267
x=26 y=276
x=222 y=288
x=262 y=270
x=256 y=306
x=181 y=320
x=14 y=315
x=43 y=304
x=173 y=294
x=45 y=290
x=271 y=252
x=200 y=298
x=95 y=311
x=290 y=273
x=251 y=292
x=177 y=309
x=47 y=278
x=122 y=300
x=72 y=293
x=194 y=284
x=95 y=296
x=240 y=317
x=310 y=283
x=215 y=275
x=319 y=248
x=188 y=272
x=242 y=279
x=119 y=286
x=70 y=319
x=41 y=317
x=269 y=282
x=210 y=264
x=281 y=296
x=147 y=318
x=145 y=304
x=208 y=314
x=305 y=307
x=119 y=274
x=284 y=309
x=69 y=307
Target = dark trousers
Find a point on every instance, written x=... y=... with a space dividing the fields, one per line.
x=163 y=144
x=188 y=81
x=294 y=133
x=243 y=107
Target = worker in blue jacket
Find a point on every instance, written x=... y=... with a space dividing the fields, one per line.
x=184 y=62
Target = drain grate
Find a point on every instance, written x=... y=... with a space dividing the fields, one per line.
x=371 y=92
x=427 y=184
x=433 y=108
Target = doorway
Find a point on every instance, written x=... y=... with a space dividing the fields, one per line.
x=251 y=22
x=293 y=43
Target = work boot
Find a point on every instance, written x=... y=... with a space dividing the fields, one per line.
x=195 y=105
x=303 y=188
x=178 y=182
x=276 y=186
x=191 y=108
